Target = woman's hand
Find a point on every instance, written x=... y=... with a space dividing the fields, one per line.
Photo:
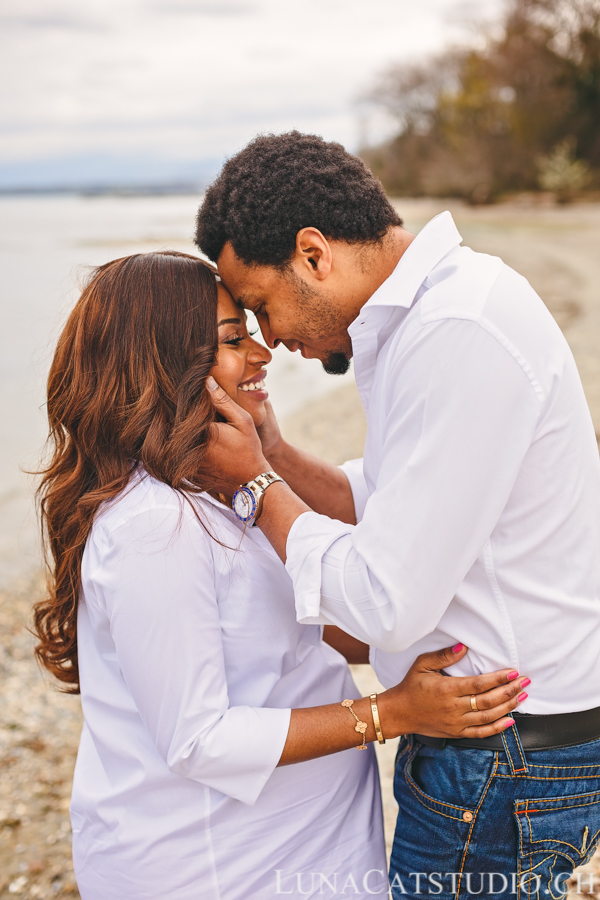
x=427 y=702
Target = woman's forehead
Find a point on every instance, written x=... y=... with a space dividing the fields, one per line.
x=228 y=308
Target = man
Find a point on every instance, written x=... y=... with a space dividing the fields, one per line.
x=474 y=517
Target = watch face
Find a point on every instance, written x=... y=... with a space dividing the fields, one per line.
x=244 y=504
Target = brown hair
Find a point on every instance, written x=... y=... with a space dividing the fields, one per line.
x=126 y=389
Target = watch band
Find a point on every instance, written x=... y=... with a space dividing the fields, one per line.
x=256 y=487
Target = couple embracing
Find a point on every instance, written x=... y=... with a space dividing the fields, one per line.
x=210 y=583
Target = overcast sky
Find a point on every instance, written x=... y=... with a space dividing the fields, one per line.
x=163 y=86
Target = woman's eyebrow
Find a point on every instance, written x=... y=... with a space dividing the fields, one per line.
x=229 y=322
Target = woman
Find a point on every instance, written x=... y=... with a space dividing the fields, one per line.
x=177 y=624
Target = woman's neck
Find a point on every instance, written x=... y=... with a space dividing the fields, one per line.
x=225 y=499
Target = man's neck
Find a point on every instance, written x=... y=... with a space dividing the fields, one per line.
x=374 y=264
x=385 y=257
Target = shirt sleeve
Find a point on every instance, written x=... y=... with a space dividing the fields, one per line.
x=157 y=582
x=354 y=472
x=461 y=414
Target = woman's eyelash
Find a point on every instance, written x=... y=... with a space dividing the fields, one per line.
x=235 y=340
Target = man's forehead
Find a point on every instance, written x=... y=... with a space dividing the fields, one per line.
x=246 y=283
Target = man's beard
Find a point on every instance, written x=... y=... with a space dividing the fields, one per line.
x=319 y=321
x=336 y=364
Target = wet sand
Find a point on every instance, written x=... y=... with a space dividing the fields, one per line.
x=558 y=249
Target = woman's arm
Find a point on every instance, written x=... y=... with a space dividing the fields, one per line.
x=425 y=702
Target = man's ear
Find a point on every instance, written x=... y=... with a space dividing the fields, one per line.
x=313 y=255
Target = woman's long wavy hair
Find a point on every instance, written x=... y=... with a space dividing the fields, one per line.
x=126 y=389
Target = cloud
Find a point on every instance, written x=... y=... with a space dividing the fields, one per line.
x=194 y=79
x=49 y=14
x=197 y=8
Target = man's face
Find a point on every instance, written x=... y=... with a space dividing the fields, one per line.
x=290 y=311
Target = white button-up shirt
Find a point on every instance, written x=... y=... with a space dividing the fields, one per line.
x=191 y=658
x=479 y=497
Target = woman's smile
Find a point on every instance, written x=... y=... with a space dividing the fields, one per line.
x=255 y=386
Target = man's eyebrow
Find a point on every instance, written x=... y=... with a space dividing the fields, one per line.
x=230 y=322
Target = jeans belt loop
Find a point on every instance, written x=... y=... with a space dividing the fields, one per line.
x=514 y=751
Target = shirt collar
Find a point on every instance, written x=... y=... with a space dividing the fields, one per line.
x=431 y=245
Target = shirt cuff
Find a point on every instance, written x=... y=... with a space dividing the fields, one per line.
x=353 y=470
x=309 y=539
x=240 y=754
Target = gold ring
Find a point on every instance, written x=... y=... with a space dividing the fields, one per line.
x=474 y=706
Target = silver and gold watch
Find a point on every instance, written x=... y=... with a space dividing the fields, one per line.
x=248 y=499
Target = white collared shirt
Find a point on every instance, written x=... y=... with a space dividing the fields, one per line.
x=191 y=658
x=478 y=502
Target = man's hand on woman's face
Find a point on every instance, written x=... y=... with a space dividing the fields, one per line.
x=269 y=433
x=235 y=455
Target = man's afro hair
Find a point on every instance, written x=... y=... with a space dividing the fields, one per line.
x=281 y=183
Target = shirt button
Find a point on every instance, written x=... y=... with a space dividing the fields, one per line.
x=468 y=816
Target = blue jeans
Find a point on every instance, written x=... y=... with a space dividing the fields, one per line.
x=494 y=823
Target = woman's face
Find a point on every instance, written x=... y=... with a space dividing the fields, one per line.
x=241 y=361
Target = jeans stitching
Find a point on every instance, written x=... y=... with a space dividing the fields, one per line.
x=466 y=850
x=589 y=800
x=592 y=847
x=558 y=841
x=551 y=882
x=589 y=795
x=518 y=743
x=532 y=840
x=552 y=777
x=554 y=840
x=514 y=771
x=427 y=801
x=430 y=800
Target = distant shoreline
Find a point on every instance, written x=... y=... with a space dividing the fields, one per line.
x=183 y=188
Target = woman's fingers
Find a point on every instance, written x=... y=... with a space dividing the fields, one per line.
x=437 y=660
x=480 y=684
x=483 y=731
x=228 y=408
x=496 y=697
x=487 y=716
x=469 y=685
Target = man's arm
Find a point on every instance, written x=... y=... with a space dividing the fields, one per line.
x=323 y=486
x=354 y=652
x=461 y=417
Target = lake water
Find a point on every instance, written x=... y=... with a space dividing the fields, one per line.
x=46 y=243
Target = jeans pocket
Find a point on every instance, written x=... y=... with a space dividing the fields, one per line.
x=556 y=834
x=428 y=794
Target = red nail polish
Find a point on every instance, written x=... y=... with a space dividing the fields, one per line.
x=457 y=648
x=509 y=722
x=512 y=675
x=522 y=697
x=525 y=682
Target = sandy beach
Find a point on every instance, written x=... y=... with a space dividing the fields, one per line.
x=556 y=248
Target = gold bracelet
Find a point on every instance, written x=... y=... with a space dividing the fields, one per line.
x=361 y=727
x=376 y=721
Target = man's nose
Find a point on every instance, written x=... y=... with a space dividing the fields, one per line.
x=292 y=346
x=270 y=339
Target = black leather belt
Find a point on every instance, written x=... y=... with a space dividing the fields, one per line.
x=535 y=732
